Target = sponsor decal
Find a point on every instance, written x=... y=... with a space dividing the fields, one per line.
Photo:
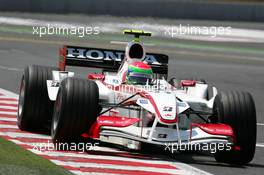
x=94 y=54
x=181 y=104
x=103 y=55
x=55 y=84
x=162 y=136
x=150 y=59
x=115 y=81
x=167 y=115
x=143 y=101
x=167 y=108
x=120 y=97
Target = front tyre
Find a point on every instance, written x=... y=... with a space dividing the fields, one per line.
x=237 y=109
x=75 y=110
x=35 y=108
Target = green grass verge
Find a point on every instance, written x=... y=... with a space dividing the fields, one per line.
x=18 y=161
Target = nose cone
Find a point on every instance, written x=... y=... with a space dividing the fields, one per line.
x=166 y=106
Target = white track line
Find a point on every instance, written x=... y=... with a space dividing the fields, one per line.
x=9 y=113
x=8 y=107
x=8 y=119
x=10 y=68
x=9 y=93
x=261 y=145
x=8 y=102
x=260 y=124
x=8 y=126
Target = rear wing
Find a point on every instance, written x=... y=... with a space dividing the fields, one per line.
x=106 y=59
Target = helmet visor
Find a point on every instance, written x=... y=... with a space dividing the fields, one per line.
x=136 y=78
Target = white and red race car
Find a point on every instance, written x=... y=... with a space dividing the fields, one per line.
x=160 y=112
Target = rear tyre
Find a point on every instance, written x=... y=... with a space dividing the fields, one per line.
x=35 y=108
x=237 y=109
x=75 y=110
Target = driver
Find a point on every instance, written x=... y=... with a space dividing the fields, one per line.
x=139 y=73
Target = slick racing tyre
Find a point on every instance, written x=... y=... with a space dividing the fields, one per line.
x=75 y=110
x=237 y=109
x=35 y=108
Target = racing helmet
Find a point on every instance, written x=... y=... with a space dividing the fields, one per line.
x=138 y=73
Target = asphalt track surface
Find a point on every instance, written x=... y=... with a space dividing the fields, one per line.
x=225 y=70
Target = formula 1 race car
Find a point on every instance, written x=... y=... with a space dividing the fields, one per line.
x=131 y=100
